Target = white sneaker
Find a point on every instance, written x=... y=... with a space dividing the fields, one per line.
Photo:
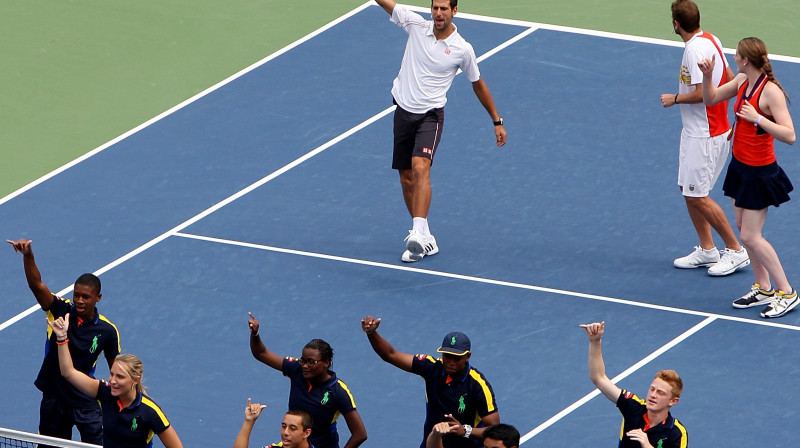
x=729 y=261
x=755 y=297
x=410 y=257
x=418 y=245
x=782 y=304
x=700 y=257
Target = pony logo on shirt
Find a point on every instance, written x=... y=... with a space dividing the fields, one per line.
x=447 y=51
x=660 y=443
x=461 y=405
x=325 y=397
x=134 y=424
x=95 y=345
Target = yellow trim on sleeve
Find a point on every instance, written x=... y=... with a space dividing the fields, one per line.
x=346 y=389
x=485 y=388
x=149 y=403
x=119 y=344
x=684 y=435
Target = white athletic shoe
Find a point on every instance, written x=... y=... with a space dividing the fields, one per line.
x=418 y=246
x=755 y=297
x=729 y=261
x=699 y=258
x=782 y=304
x=410 y=257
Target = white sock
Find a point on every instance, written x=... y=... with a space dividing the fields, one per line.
x=421 y=226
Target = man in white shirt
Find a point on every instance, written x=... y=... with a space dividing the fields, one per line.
x=434 y=54
x=704 y=145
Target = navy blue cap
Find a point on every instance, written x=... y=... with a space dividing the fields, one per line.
x=455 y=343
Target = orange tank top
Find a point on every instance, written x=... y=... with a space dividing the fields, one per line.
x=752 y=145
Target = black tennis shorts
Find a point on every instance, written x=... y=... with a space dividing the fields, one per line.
x=415 y=135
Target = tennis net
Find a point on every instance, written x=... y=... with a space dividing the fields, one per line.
x=10 y=438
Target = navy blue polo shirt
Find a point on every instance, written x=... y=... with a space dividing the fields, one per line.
x=325 y=402
x=667 y=434
x=86 y=342
x=468 y=398
x=132 y=426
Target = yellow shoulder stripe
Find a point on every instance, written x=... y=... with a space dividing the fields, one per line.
x=684 y=436
x=149 y=403
x=485 y=388
x=346 y=389
x=119 y=344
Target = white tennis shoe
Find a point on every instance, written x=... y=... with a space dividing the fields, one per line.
x=418 y=246
x=699 y=258
x=782 y=304
x=729 y=261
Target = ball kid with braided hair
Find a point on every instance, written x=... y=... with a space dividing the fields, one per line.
x=754 y=180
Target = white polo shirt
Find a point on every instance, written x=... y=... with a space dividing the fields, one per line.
x=429 y=65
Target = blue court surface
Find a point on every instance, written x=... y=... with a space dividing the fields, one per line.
x=272 y=193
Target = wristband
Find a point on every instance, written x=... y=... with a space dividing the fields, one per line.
x=676 y=99
x=498 y=122
x=468 y=431
x=758 y=120
x=254 y=335
x=62 y=342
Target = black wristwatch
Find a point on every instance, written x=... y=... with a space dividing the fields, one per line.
x=498 y=122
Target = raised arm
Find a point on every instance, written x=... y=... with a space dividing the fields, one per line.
x=32 y=274
x=711 y=93
x=251 y=413
x=80 y=380
x=485 y=97
x=597 y=367
x=388 y=5
x=259 y=350
x=382 y=347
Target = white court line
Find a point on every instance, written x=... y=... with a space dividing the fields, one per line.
x=566 y=411
x=593 y=33
x=485 y=280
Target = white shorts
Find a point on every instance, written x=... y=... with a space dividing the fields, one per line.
x=700 y=163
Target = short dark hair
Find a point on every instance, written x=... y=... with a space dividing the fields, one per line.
x=89 y=280
x=687 y=14
x=504 y=433
x=453 y=3
x=324 y=349
x=308 y=421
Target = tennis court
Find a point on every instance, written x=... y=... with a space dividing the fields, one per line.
x=272 y=193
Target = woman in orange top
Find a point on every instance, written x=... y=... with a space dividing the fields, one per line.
x=754 y=180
